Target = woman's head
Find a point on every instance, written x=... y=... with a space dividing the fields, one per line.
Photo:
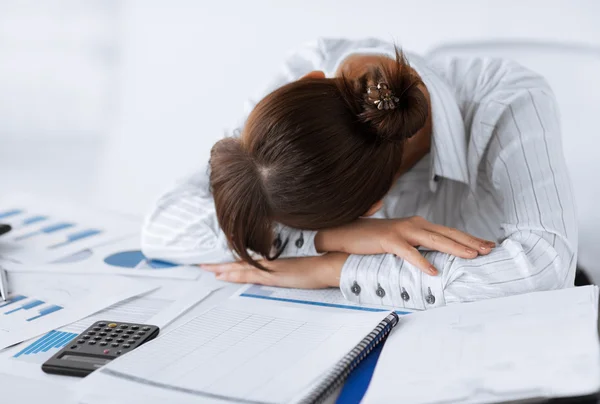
x=315 y=153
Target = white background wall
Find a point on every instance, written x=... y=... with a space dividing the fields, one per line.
x=108 y=101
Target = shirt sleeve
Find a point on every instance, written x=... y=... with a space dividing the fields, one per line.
x=182 y=226
x=538 y=250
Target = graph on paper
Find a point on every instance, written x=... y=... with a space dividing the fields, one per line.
x=28 y=308
x=47 y=301
x=45 y=232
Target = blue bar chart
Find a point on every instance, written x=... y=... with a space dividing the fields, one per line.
x=17 y=304
x=45 y=311
x=49 y=343
x=26 y=306
x=71 y=238
x=45 y=230
x=11 y=300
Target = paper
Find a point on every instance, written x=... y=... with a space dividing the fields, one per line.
x=527 y=346
x=321 y=297
x=41 y=302
x=241 y=350
x=44 y=230
x=121 y=257
x=15 y=389
x=159 y=307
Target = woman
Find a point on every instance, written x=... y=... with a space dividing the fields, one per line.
x=424 y=149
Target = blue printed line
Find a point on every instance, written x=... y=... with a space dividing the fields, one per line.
x=10 y=213
x=339 y=306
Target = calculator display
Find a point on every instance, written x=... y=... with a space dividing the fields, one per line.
x=88 y=359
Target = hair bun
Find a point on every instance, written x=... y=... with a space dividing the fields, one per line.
x=392 y=104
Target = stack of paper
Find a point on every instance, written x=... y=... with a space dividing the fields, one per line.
x=536 y=345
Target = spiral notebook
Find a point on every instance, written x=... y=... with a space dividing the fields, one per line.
x=246 y=352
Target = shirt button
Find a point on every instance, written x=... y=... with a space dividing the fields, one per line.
x=405 y=296
x=430 y=298
x=380 y=292
x=300 y=242
x=355 y=288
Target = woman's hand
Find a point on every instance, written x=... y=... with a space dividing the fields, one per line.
x=305 y=272
x=401 y=237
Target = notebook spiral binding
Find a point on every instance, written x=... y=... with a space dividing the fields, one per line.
x=336 y=377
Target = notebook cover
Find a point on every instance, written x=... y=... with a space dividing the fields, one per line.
x=357 y=383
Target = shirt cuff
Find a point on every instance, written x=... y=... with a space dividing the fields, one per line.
x=295 y=243
x=390 y=281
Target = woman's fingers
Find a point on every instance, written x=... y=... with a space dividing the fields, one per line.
x=413 y=256
x=438 y=242
x=481 y=246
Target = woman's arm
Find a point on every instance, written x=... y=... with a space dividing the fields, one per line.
x=529 y=175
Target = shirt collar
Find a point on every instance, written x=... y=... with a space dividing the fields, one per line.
x=448 y=143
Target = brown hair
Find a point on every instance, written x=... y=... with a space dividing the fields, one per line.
x=315 y=153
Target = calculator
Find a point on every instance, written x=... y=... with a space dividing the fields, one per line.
x=102 y=342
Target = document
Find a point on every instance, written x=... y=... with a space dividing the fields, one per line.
x=242 y=350
x=38 y=303
x=159 y=307
x=122 y=257
x=320 y=297
x=45 y=230
x=541 y=344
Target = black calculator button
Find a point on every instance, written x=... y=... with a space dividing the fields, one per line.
x=74 y=346
x=131 y=341
x=141 y=333
x=101 y=324
x=136 y=337
x=96 y=328
x=114 y=334
x=85 y=337
x=123 y=326
x=129 y=332
x=108 y=329
x=119 y=331
x=91 y=333
x=119 y=352
x=80 y=341
x=146 y=328
x=108 y=339
x=135 y=327
x=114 y=344
x=126 y=345
x=91 y=342
x=102 y=334
x=97 y=338
x=104 y=343
x=120 y=340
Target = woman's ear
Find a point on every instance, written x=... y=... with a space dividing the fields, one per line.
x=315 y=74
x=374 y=208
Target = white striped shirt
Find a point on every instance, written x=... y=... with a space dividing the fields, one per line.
x=495 y=170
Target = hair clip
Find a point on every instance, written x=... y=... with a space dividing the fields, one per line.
x=382 y=96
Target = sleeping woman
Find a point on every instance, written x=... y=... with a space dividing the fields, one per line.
x=403 y=181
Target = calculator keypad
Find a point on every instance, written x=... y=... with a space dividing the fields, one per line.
x=114 y=335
